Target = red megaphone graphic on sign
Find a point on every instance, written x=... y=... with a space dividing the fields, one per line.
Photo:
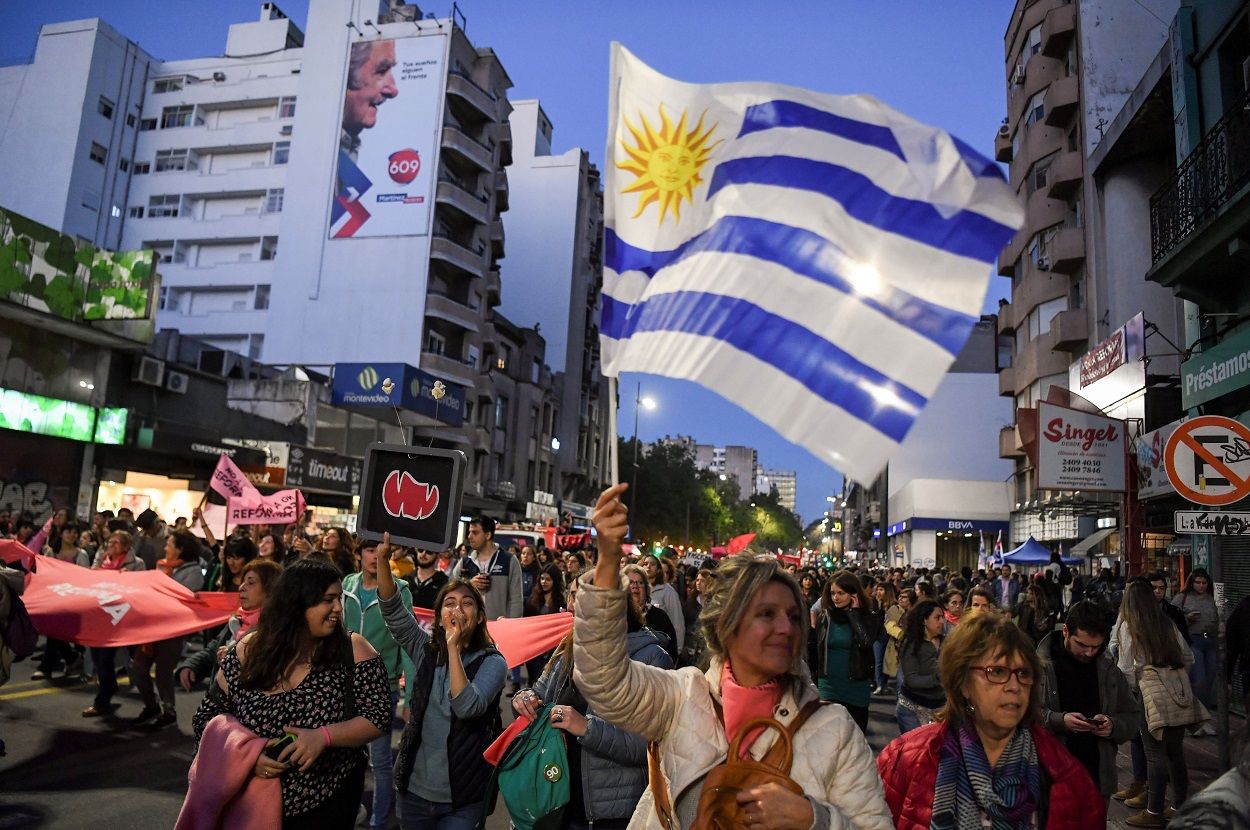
x=405 y=497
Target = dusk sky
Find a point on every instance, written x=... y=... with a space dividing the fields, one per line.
x=941 y=63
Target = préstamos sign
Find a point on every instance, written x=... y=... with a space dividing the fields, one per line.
x=1217 y=371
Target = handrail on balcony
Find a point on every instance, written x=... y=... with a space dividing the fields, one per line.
x=462 y=74
x=489 y=149
x=1208 y=177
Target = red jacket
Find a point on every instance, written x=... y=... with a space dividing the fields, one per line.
x=909 y=766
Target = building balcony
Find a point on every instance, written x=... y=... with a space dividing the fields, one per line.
x=464 y=151
x=469 y=206
x=505 y=143
x=240 y=227
x=1067 y=250
x=1006 y=325
x=460 y=258
x=501 y=191
x=1009 y=257
x=1037 y=359
x=1058 y=29
x=1071 y=330
x=1199 y=217
x=462 y=87
x=1002 y=144
x=497 y=239
x=492 y=287
x=1007 y=382
x=1009 y=443
x=1065 y=175
x=1061 y=101
x=447 y=368
x=445 y=308
x=1039 y=73
x=480 y=439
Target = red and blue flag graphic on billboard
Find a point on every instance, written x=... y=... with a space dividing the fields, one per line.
x=348 y=198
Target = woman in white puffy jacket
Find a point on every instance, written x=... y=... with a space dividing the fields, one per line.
x=754 y=624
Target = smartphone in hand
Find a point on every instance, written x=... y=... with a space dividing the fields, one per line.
x=275 y=750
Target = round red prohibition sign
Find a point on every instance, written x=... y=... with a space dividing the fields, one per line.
x=1208 y=460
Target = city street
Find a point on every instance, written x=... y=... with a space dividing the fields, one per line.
x=65 y=772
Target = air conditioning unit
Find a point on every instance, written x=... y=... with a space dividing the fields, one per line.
x=1004 y=130
x=1043 y=262
x=287 y=129
x=149 y=370
x=219 y=76
x=1017 y=76
x=177 y=382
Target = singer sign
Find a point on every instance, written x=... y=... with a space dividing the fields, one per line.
x=1079 y=450
x=412 y=493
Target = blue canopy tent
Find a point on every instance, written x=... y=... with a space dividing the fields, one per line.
x=1033 y=552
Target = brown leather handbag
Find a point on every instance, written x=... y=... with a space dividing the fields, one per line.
x=718 y=802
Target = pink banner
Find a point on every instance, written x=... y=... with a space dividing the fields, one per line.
x=283 y=507
x=230 y=482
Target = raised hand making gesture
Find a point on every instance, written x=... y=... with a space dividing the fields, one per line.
x=611 y=521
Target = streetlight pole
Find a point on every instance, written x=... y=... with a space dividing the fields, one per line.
x=639 y=403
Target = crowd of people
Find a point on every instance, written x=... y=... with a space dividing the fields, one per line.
x=1012 y=695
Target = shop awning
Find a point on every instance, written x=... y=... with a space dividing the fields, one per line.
x=1083 y=547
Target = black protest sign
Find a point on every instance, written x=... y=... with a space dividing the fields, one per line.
x=412 y=493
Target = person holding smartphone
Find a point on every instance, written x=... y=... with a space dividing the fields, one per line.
x=1086 y=701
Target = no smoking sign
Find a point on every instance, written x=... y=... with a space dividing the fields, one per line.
x=1208 y=460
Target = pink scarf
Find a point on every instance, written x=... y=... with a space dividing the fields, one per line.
x=112 y=564
x=744 y=703
x=247 y=619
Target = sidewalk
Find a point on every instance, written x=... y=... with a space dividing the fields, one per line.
x=1202 y=757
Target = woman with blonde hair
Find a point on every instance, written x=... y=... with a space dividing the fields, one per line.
x=988 y=762
x=753 y=622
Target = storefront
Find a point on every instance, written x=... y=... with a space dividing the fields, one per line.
x=926 y=542
x=330 y=482
x=166 y=469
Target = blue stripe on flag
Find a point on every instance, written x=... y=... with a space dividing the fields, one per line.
x=792 y=114
x=980 y=166
x=965 y=233
x=805 y=253
x=825 y=369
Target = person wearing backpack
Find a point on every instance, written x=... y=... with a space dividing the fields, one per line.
x=754 y=624
x=609 y=765
x=440 y=774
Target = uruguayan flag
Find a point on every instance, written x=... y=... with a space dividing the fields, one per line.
x=819 y=260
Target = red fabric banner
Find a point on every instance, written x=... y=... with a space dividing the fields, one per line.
x=521 y=639
x=739 y=543
x=113 y=608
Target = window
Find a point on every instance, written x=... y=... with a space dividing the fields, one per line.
x=435 y=343
x=468 y=412
x=273 y=200
x=281 y=152
x=167 y=85
x=1035 y=110
x=115 y=212
x=501 y=412
x=130 y=119
x=286 y=107
x=1032 y=43
x=98 y=154
x=261 y=300
x=135 y=212
x=505 y=356
x=255 y=343
x=168 y=160
x=163 y=206
x=535 y=424
x=473 y=356
x=105 y=107
x=147 y=124
x=183 y=116
x=1039 y=174
x=536 y=369
x=142 y=167
x=164 y=298
x=123 y=164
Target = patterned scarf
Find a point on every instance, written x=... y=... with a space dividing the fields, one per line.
x=968 y=789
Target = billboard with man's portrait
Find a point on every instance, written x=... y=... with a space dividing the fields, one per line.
x=387 y=163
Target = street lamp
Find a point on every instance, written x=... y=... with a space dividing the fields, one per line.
x=639 y=403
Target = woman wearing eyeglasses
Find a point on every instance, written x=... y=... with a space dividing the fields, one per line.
x=987 y=762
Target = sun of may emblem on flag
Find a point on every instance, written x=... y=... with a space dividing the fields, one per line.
x=666 y=162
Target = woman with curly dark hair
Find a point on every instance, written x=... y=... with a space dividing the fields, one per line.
x=300 y=672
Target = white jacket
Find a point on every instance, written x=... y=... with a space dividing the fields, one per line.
x=832 y=761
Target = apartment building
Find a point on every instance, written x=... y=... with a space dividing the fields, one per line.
x=554 y=272
x=786 y=483
x=1069 y=66
x=731 y=463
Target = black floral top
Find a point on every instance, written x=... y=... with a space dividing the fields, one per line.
x=317 y=701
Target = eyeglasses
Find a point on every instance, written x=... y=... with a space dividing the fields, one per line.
x=999 y=675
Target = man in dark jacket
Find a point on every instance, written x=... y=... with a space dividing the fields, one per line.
x=1086 y=701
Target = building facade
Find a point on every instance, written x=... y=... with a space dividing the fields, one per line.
x=278 y=244
x=1074 y=266
x=786 y=483
x=554 y=272
x=733 y=463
